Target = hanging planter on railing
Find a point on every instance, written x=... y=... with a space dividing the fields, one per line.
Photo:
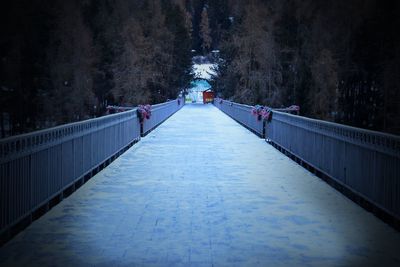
x=265 y=113
x=262 y=113
x=143 y=112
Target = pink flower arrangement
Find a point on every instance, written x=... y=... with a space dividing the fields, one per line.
x=144 y=112
x=262 y=112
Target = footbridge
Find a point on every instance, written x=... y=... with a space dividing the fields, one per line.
x=190 y=186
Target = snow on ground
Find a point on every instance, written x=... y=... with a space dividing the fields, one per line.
x=205 y=71
x=201 y=190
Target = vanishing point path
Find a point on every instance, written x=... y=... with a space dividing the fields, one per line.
x=201 y=190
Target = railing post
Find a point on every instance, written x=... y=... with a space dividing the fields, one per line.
x=263 y=129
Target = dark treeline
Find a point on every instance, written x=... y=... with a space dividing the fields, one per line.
x=338 y=60
x=63 y=61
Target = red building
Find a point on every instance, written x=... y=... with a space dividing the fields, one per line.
x=208 y=96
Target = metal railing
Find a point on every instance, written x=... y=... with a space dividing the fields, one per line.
x=242 y=114
x=36 y=167
x=160 y=113
x=365 y=162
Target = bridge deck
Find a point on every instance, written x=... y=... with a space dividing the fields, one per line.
x=202 y=190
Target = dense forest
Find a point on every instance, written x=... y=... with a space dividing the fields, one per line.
x=63 y=61
x=337 y=60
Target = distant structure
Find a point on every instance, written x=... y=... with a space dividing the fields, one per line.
x=208 y=96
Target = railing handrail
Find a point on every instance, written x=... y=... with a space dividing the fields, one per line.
x=244 y=117
x=344 y=126
x=383 y=142
x=396 y=138
x=19 y=145
x=236 y=104
x=67 y=125
x=78 y=123
x=160 y=105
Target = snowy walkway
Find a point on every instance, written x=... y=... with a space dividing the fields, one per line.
x=201 y=190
